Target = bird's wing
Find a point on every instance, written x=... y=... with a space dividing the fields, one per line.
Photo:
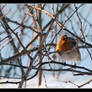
x=73 y=42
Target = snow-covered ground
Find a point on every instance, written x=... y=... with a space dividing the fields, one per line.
x=66 y=80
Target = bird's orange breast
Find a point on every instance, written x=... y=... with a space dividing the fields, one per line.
x=63 y=46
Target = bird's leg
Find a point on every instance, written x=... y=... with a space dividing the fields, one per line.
x=64 y=61
x=74 y=67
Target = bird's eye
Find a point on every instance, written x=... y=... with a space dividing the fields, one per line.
x=64 y=38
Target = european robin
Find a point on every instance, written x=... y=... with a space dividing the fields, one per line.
x=67 y=49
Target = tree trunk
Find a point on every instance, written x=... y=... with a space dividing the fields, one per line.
x=40 y=45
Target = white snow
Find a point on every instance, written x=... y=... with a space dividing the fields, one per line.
x=65 y=80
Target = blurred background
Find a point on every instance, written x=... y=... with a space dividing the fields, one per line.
x=27 y=22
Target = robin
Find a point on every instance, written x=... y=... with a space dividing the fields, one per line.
x=67 y=49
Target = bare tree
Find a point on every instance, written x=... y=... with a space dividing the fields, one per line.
x=28 y=37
